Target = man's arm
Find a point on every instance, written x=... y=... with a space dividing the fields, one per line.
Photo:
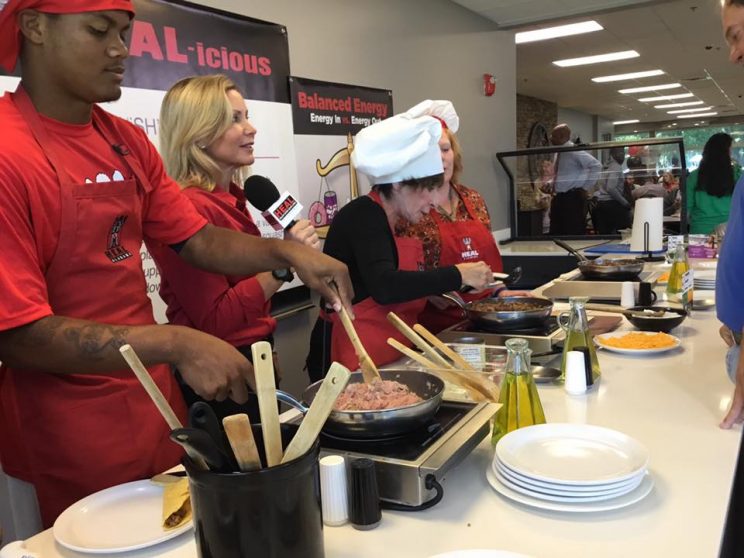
x=232 y=253
x=615 y=188
x=593 y=169
x=213 y=368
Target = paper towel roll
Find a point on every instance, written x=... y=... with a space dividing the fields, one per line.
x=651 y=211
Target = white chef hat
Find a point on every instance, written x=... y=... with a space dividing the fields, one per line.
x=444 y=111
x=399 y=148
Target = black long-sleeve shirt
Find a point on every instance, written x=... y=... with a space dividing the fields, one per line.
x=360 y=236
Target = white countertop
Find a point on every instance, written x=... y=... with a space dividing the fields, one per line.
x=672 y=403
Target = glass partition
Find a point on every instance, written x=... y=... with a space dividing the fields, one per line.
x=589 y=190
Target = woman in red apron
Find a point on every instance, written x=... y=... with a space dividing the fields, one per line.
x=458 y=229
x=207 y=151
x=401 y=157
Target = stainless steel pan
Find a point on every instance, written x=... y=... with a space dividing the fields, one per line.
x=383 y=423
x=611 y=269
x=478 y=312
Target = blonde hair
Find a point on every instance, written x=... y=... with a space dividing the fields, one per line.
x=457 y=162
x=195 y=112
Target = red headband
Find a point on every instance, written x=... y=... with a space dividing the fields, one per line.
x=10 y=35
x=444 y=124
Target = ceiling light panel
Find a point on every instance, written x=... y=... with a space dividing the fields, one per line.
x=696 y=115
x=681 y=111
x=677 y=105
x=647 y=88
x=555 y=32
x=625 y=122
x=597 y=58
x=632 y=75
x=666 y=97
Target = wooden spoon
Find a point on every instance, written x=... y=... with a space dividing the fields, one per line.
x=322 y=405
x=157 y=397
x=417 y=340
x=240 y=435
x=459 y=362
x=263 y=368
x=367 y=366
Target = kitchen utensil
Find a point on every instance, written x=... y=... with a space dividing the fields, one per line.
x=545 y=374
x=197 y=442
x=661 y=319
x=384 y=422
x=263 y=368
x=202 y=416
x=504 y=320
x=167 y=478
x=646 y=294
x=364 y=498
x=703 y=303
x=417 y=340
x=240 y=435
x=578 y=336
x=643 y=352
x=621 y=269
x=471 y=380
x=458 y=361
x=366 y=364
x=330 y=388
x=155 y=394
x=505 y=279
x=334 y=490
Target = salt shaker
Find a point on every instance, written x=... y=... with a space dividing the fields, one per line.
x=627 y=295
x=333 y=490
x=364 y=512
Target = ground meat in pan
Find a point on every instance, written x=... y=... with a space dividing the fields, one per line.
x=379 y=395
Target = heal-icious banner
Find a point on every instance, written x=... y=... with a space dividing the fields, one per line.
x=173 y=40
x=326 y=118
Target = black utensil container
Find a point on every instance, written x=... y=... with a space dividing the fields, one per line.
x=270 y=513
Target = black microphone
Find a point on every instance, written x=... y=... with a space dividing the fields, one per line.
x=279 y=210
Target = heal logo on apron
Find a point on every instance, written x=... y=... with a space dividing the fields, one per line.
x=116 y=252
x=469 y=253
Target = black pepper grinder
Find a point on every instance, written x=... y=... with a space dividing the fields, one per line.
x=364 y=508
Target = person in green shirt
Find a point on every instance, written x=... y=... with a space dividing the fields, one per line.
x=710 y=186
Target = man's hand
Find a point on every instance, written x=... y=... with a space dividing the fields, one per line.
x=727 y=335
x=213 y=368
x=318 y=271
x=304 y=233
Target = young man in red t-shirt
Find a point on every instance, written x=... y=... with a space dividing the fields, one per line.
x=81 y=189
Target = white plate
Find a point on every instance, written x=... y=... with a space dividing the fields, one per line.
x=477 y=553
x=566 y=489
x=574 y=454
x=585 y=507
x=600 y=338
x=704 y=275
x=118 y=519
x=567 y=499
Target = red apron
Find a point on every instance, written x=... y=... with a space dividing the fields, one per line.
x=370 y=318
x=75 y=434
x=462 y=242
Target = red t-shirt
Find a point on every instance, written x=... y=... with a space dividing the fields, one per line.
x=231 y=308
x=30 y=208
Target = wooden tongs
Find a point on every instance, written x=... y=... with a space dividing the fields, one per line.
x=367 y=366
x=455 y=370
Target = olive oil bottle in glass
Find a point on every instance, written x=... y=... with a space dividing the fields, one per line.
x=520 y=402
x=679 y=285
x=578 y=336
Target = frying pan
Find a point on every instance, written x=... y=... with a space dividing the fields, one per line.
x=625 y=269
x=504 y=320
x=384 y=423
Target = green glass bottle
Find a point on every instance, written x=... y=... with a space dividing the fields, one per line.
x=520 y=402
x=578 y=335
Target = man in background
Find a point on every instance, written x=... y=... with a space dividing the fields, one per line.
x=576 y=173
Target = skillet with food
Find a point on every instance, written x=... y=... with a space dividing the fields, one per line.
x=505 y=313
x=383 y=422
x=610 y=269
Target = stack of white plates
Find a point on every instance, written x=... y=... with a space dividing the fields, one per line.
x=570 y=467
x=704 y=280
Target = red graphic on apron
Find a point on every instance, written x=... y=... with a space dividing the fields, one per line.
x=116 y=252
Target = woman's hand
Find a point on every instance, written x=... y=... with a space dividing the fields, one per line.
x=727 y=335
x=477 y=275
x=507 y=292
x=304 y=233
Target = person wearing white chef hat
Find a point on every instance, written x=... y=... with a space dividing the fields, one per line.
x=458 y=228
x=402 y=160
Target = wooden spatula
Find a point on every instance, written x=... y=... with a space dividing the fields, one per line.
x=459 y=362
x=240 y=435
x=367 y=366
x=322 y=405
x=417 y=340
x=263 y=368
